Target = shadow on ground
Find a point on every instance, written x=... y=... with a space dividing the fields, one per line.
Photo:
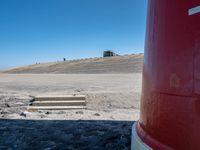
x=65 y=135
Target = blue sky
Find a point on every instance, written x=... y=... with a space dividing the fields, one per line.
x=47 y=30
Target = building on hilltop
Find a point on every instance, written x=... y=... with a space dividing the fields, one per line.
x=109 y=53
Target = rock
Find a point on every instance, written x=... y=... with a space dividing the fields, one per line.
x=42 y=116
x=7 y=105
x=124 y=125
x=32 y=100
x=79 y=112
x=47 y=113
x=97 y=114
x=4 y=112
x=39 y=111
x=78 y=90
x=25 y=113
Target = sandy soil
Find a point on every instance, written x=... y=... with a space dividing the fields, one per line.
x=118 y=64
x=112 y=107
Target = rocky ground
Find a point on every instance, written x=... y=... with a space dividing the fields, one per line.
x=65 y=135
x=112 y=108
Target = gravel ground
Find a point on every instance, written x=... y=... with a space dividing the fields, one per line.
x=112 y=107
x=65 y=135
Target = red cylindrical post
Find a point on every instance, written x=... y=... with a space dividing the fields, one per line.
x=170 y=103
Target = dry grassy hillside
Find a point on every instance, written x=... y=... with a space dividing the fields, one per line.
x=118 y=64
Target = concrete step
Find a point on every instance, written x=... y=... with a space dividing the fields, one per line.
x=55 y=107
x=60 y=103
x=60 y=98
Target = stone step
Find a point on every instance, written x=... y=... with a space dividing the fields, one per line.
x=60 y=103
x=60 y=98
x=55 y=107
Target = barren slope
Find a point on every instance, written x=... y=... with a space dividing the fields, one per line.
x=118 y=64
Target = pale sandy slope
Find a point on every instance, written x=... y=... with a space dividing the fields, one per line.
x=119 y=64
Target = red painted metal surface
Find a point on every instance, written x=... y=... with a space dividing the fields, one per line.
x=170 y=104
